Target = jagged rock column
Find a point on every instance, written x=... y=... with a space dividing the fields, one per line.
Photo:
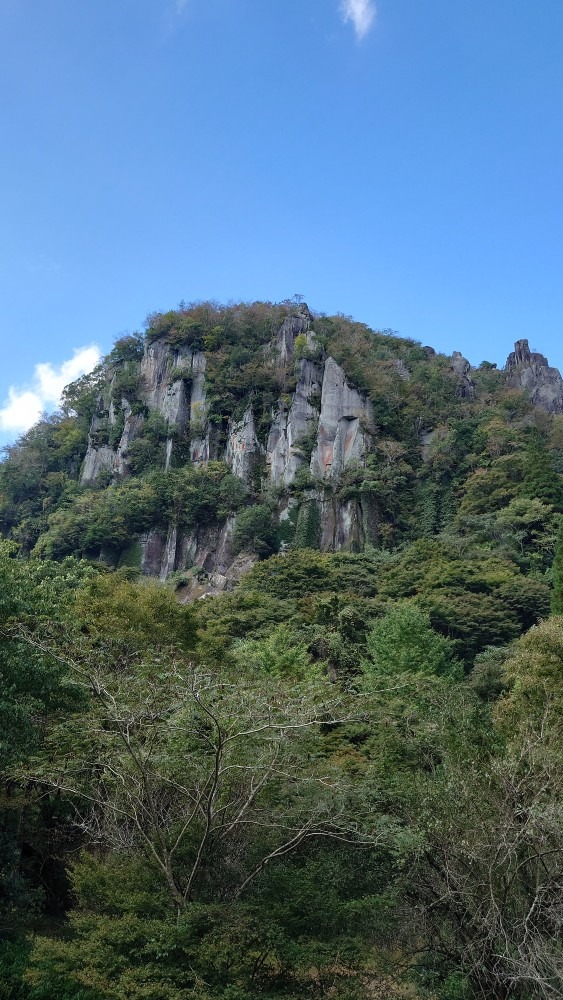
x=345 y=425
x=530 y=370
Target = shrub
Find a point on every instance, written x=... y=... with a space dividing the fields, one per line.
x=254 y=530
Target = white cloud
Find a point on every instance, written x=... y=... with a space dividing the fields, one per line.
x=25 y=404
x=361 y=13
x=180 y=4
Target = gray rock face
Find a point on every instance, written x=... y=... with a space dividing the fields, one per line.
x=153 y=544
x=243 y=449
x=345 y=425
x=529 y=370
x=169 y=398
x=401 y=369
x=426 y=437
x=291 y=425
x=199 y=445
x=96 y=461
x=208 y=548
x=341 y=526
x=461 y=368
x=324 y=418
x=133 y=426
x=159 y=394
x=291 y=327
x=103 y=458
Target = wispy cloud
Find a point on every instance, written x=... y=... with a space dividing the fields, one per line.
x=361 y=13
x=181 y=5
x=25 y=404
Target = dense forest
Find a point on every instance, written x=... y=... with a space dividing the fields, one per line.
x=281 y=648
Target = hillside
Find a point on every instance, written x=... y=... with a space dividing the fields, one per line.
x=338 y=775
x=326 y=434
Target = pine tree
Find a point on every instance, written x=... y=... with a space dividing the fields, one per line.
x=541 y=478
x=557 y=594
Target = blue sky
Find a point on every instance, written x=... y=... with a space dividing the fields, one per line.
x=401 y=164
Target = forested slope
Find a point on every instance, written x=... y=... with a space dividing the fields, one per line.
x=340 y=773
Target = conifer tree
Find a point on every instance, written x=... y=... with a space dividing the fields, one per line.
x=557 y=595
x=541 y=478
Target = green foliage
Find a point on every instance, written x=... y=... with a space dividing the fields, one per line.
x=404 y=642
x=38 y=474
x=304 y=571
x=557 y=595
x=126 y=382
x=305 y=445
x=487 y=677
x=308 y=528
x=82 y=396
x=541 y=478
x=244 y=613
x=35 y=688
x=300 y=347
x=179 y=373
x=474 y=597
x=31 y=681
x=14 y=958
x=127 y=348
x=116 y=515
x=254 y=530
x=533 y=674
x=146 y=451
x=278 y=655
x=136 y=616
x=290 y=789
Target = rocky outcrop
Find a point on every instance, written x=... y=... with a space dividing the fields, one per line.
x=204 y=555
x=322 y=427
x=200 y=450
x=102 y=458
x=529 y=370
x=345 y=425
x=293 y=425
x=159 y=393
x=292 y=326
x=461 y=369
x=342 y=525
x=96 y=462
x=426 y=438
x=401 y=369
x=171 y=384
x=243 y=450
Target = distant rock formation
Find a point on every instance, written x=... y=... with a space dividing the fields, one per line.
x=461 y=367
x=529 y=370
x=319 y=432
x=321 y=428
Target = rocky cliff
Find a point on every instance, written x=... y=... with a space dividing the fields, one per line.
x=321 y=428
x=531 y=371
x=296 y=430
x=228 y=433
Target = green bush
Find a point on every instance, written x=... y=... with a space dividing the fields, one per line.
x=254 y=530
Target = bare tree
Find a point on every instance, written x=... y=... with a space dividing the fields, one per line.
x=488 y=887
x=212 y=780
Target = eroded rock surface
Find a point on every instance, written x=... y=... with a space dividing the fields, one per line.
x=461 y=368
x=294 y=424
x=531 y=370
x=345 y=425
x=290 y=329
x=323 y=426
x=243 y=448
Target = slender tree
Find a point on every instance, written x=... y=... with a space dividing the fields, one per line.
x=557 y=594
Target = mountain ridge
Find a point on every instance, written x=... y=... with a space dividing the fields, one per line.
x=305 y=411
